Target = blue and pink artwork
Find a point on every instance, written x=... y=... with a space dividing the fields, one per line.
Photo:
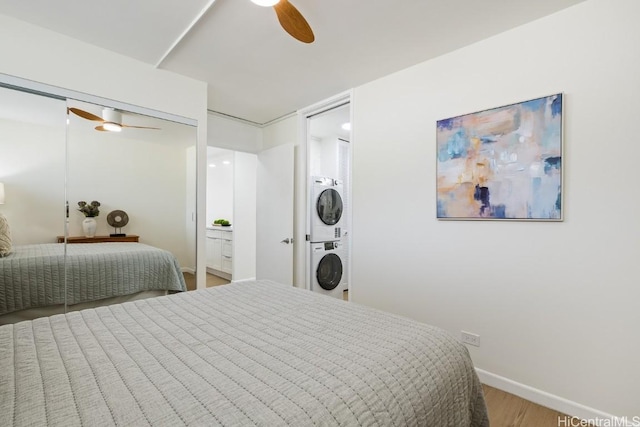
x=502 y=163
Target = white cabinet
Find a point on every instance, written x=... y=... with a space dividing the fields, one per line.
x=210 y=245
x=226 y=255
x=219 y=247
x=214 y=253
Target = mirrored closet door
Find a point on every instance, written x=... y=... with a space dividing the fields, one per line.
x=32 y=172
x=96 y=205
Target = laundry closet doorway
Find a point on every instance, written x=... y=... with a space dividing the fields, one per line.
x=327 y=130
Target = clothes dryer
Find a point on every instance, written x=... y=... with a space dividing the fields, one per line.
x=328 y=268
x=327 y=210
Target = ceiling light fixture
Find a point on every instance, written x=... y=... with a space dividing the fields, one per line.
x=346 y=126
x=212 y=165
x=111 y=120
x=112 y=127
x=265 y=3
x=226 y=162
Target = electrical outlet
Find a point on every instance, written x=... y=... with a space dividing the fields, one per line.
x=470 y=338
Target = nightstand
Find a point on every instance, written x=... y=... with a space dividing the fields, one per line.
x=99 y=239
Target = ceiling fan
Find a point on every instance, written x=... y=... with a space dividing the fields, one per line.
x=290 y=19
x=111 y=119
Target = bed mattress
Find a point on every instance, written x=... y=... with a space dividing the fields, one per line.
x=249 y=353
x=34 y=275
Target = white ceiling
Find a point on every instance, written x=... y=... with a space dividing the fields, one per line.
x=255 y=70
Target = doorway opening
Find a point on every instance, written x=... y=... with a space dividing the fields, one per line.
x=328 y=141
x=219 y=216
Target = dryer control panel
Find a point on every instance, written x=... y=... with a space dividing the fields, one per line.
x=328 y=246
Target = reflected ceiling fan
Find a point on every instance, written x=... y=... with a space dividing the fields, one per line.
x=290 y=19
x=111 y=120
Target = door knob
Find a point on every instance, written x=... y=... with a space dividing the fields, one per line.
x=287 y=241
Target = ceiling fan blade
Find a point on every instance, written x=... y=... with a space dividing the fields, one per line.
x=293 y=22
x=85 y=114
x=139 y=127
x=101 y=128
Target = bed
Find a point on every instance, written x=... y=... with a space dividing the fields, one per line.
x=32 y=277
x=247 y=353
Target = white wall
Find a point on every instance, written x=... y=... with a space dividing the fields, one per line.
x=233 y=135
x=283 y=131
x=37 y=54
x=555 y=304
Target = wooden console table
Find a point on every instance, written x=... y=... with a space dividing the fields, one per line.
x=99 y=239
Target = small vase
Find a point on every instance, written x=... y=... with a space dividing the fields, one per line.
x=89 y=226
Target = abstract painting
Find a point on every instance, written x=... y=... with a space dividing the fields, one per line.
x=502 y=163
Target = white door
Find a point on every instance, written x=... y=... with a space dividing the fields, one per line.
x=274 y=211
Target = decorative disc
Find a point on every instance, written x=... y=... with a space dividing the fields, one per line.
x=117 y=218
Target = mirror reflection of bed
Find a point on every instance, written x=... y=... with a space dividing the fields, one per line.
x=50 y=157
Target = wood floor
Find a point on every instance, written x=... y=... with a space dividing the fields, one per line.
x=507 y=410
x=212 y=280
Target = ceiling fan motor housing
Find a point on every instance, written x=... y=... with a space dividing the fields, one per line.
x=112 y=116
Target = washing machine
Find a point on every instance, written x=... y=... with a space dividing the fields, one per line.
x=327 y=209
x=328 y=268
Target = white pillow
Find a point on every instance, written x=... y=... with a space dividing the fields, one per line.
x=5 y=237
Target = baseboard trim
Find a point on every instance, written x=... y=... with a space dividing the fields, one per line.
x=188 y=270
x=557 y=403
x=244 y=280
x=219 y=273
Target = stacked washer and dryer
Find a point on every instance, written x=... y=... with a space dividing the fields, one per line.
x=328 y=247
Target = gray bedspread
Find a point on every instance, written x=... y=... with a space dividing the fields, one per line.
x=250 y=353
x=33 y=275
